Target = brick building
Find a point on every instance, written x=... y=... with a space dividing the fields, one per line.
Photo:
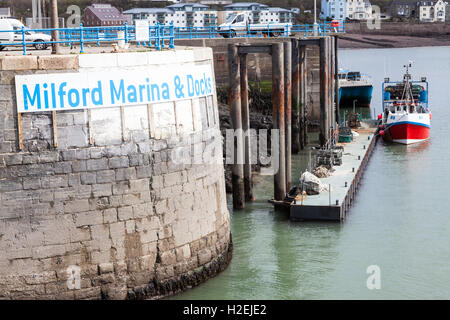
x=103 y=15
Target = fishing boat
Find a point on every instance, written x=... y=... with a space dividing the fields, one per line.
x=406 y=117
x=354 y=87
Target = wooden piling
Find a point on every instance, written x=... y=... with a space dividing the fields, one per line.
x=278 y=117
x=333 y=84
x=287 y=51
x=234 y=101
x=336 y=78
x=303 y=97
x=248 y=187
x=323 y=135
x=295 y=88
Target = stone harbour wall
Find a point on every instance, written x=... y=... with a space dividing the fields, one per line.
x=110 y=212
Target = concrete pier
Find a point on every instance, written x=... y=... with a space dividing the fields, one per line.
x=344 y=183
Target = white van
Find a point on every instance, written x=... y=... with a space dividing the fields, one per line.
x=15 y=25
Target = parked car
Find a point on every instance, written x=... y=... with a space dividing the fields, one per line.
x=14 y=35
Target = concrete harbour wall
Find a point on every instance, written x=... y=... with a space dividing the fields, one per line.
x=108 y=213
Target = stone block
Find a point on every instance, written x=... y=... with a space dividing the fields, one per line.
x=125 y=213
x=33 y=183
x=106 y=268
x=102 y=190
x=97 y=60
x=139 y=185
x=171 y=179
x=16 y=63
x=130 y=226
x=63 y=167
x=96 y=164
x=10 y=185
x=168 y=258
x=132 y=59
x=143 y=172
x=75 y=206
x=125 y=174
x=88 y=177
x=88 y=218
x=106 y=176
x=117 y=230
x=119 y=162
x=49 y=251
x=142 y=210
x=13 y=159
x=110 y=215
x=58 y=62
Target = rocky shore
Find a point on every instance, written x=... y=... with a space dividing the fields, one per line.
x=366 y=41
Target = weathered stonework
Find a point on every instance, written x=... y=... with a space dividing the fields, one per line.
x=111 y=204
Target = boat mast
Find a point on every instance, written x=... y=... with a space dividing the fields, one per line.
x=407 y=90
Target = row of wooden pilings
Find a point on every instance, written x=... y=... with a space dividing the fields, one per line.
x=289 y=107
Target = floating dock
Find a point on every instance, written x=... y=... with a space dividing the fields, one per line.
x=334 y=205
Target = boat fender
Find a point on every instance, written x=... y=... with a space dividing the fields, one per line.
x=381 y=132
x=380 y=116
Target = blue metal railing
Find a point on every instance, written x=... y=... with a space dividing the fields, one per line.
x=269 y=30
x=160 y=36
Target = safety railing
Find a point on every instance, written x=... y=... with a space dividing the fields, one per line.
x=159 y=35
x=259 y=31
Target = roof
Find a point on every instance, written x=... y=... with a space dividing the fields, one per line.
x=426 y=3
x=182 y=5
x=245 y=4
x=402 y=3
x=148 y=10
x=276 y=9
x=105 y=11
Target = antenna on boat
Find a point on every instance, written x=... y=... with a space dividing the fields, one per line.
x=407 y=76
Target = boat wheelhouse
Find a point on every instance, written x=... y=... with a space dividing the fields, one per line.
x=354 y=87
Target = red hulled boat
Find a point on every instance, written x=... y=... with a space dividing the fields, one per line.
x=406 y=117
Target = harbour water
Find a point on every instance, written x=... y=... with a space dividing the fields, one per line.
x=400 y=220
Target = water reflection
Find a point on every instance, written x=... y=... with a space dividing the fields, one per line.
x=399 y=221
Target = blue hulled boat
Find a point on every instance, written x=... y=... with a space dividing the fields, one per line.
x=353 y=86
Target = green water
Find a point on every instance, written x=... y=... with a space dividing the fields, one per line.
x=399 y=222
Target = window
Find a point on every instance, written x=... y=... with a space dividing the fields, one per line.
x=240 y=18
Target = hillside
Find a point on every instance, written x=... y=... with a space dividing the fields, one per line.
x=22 y=8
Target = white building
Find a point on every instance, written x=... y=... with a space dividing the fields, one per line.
x=216 y=2
x=182 y=15
x=5 y=13
x=333 y=9
x=359 y=9
x=260 y=13
x=431 y=11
